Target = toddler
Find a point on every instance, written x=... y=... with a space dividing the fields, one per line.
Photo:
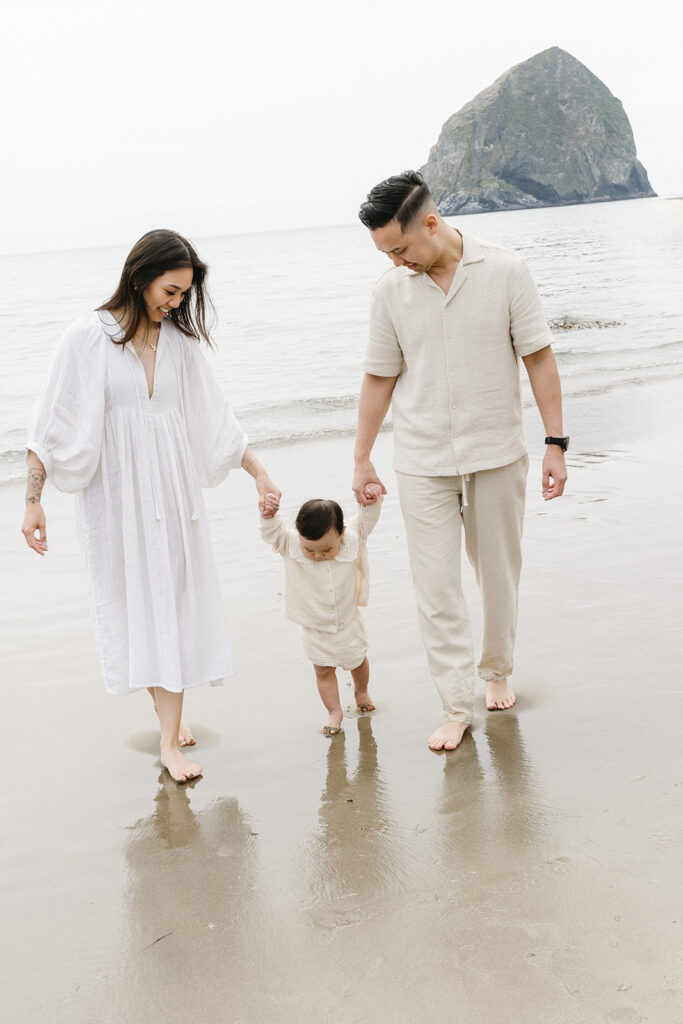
x=326 y=579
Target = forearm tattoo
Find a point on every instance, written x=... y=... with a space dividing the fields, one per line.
x=34 y=485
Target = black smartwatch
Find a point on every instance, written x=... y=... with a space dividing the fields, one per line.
x=561 y=442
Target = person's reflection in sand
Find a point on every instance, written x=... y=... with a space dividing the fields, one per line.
x=520 y=816
x=350 y=860
x=463 y=822
x=490 y=844
x=194 y=918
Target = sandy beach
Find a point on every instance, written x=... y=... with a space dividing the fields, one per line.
x=532 y=875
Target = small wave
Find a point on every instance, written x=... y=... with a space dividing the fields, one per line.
x=300 y=405
x=665 y=348
x=570 y=323
x=12 y=465
x=574 y=385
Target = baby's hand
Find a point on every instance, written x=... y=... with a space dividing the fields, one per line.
x=270 y=506
x=372 y=492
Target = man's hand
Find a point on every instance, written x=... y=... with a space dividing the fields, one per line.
x=367 y=486
x=554 y=472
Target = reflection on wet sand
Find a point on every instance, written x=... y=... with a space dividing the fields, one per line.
x=492 y=843
x=349 y=861
x=482 y=815
x=191 y=905
x=521 y=817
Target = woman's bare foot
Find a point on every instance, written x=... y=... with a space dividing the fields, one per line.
x=177 y=765
x=333 y=723
x=448 y=736
x=185 y=737
x=499 y=696
x=364 y=701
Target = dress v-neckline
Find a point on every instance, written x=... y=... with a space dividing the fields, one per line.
x=149 y=383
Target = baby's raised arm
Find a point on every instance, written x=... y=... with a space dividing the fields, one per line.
x=273 y=530
x=369 y=514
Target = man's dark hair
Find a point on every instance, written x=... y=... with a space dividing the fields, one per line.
x=403 y=197
x=317 y=516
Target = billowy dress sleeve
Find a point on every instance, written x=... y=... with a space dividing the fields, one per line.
x=67 y=423
x=216 y=439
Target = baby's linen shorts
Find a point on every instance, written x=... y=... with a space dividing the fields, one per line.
x=343 y=649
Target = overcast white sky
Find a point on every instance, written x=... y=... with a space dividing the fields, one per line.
x=221 y=117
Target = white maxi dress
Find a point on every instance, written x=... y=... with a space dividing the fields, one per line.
x=137 y=464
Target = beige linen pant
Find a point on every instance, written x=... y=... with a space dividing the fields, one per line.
x=490 y=506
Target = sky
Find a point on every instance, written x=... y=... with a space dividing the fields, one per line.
x=228 y=117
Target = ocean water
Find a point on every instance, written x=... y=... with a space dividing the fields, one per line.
x=293 y=308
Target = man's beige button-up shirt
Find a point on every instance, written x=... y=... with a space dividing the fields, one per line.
x=456 y=407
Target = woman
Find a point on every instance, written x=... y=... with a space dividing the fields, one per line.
x=132 y=419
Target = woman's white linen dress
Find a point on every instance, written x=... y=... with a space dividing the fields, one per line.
x=137 y=464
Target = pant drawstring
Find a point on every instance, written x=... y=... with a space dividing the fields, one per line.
x=465 y=481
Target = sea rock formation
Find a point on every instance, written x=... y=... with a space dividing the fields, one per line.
x=546 y=133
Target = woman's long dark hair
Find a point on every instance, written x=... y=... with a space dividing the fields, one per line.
x=153 y=255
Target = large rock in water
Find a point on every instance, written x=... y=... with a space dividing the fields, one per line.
x=546 y=133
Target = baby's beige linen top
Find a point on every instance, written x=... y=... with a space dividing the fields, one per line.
x=324 y=595
x=456 y=406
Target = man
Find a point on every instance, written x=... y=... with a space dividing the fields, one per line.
x=447 y=325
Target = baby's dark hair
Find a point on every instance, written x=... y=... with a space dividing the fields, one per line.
x=317 y=516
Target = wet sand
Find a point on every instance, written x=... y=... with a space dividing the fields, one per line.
x=533 y=875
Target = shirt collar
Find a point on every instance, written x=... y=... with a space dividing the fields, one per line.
x=472 y=252
x=348 y=549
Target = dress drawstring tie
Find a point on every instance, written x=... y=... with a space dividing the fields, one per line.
x=152 y=457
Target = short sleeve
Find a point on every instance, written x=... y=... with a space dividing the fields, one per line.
x=383 y=354
x=528 y=328
x=67 y=423
x=216 y=439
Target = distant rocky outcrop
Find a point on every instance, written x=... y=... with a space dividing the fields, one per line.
x=546 y=133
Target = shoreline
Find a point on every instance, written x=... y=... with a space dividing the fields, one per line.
x=541 y=838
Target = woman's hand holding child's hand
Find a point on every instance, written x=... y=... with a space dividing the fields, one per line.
x=271 y=504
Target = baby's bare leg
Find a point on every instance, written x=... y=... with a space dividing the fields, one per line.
x=185 y=737
x=328 y=688
x=361 y=678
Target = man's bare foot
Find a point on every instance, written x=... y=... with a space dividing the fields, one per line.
x=364 y=702
x=333 y=723
x=499 y=696
x=178 y=766
x=185 y=737
x=448 y=736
